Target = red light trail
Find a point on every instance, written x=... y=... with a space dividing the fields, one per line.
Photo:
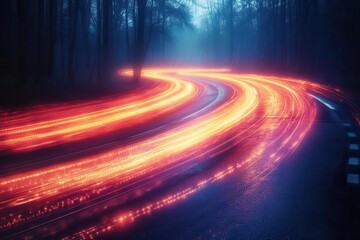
x=263 y=118
x=44 y=126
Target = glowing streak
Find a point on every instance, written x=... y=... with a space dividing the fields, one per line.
x=269 y=115
x=323 y=102
x=45 y=126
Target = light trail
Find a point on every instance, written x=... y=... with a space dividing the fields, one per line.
x=265 y=118
x=43 y=127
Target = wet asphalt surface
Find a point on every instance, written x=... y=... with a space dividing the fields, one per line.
x=305 y=197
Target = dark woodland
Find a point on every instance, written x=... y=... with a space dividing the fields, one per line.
x=61 y=45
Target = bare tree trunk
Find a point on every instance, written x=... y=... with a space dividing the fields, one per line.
x=127 y=40
x=62 y=44
x=147 y=44
x=274 y=35
x=14 y=40
x=99 y=39
x=163 y=28
x=42 y=44
x=107 y=25
x=231 y=30
x=73 y=20
x=23 y=34
x=139 y=46
x=283 y=32
x=135 y=21
x=85 y=21
x=53 y=5
x=260 y=31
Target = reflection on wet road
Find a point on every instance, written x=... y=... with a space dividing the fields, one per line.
x=199 y=126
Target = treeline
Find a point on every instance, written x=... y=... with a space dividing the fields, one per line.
x=70 y=42
x=64 y=43
x=316 y=37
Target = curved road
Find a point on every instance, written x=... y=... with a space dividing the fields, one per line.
x=197 y=153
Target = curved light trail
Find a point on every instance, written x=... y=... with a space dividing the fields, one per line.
x=262 y=118
x=44 y=127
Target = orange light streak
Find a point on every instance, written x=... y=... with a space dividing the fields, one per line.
x=268 y=116
x=48 y=126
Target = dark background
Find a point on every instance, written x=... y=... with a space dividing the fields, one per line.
x=56 y=48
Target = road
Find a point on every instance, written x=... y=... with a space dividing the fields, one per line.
x=198 y=154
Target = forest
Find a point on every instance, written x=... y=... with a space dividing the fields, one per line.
x=57 y=45
x=180 y=119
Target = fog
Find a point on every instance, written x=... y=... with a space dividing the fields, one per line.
x=60 y=44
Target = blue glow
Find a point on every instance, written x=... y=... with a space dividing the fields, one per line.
x=323 y=102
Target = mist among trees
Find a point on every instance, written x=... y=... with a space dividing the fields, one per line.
x=59 y=44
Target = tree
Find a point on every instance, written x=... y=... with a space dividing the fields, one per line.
x=139 y=54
